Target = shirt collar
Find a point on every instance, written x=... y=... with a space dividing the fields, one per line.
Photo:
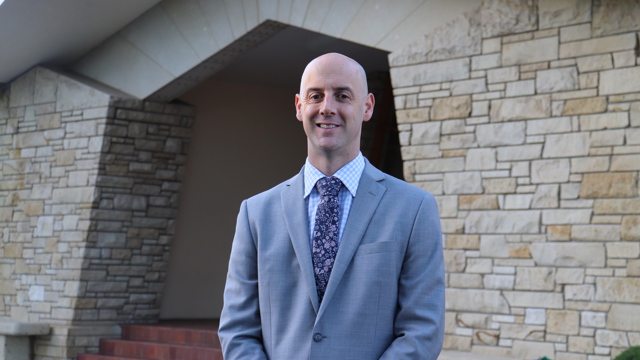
x=349 y=174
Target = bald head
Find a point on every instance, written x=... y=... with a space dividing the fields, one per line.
x=332 y=63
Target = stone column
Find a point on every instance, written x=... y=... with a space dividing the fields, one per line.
x=89 y=185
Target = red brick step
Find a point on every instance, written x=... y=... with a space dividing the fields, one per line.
x=168 y=340
x=157 y=351
x=179 y=333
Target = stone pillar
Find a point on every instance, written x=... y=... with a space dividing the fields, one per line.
x=89 y=185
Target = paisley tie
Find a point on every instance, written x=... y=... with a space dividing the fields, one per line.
x=325 y=232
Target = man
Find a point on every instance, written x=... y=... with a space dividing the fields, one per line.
x=355 y=272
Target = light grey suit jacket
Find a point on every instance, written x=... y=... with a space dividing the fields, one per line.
x=385 y=297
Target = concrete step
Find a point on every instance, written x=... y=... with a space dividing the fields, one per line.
x=157 y=351
x=461 y=355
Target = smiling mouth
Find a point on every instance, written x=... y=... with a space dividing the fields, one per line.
x=326 y=126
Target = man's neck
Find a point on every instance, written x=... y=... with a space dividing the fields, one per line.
x=329 y=165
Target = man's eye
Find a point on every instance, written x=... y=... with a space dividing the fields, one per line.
x=315 y=97
x=343 y=96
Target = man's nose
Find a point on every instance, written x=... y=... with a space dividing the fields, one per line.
x=328 y=107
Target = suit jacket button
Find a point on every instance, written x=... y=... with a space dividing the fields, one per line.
x=317 y=337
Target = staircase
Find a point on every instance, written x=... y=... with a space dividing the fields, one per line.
x=171 y=340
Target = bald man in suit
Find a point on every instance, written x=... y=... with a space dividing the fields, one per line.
x=352 y=273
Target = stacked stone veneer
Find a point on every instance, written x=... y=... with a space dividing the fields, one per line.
x=523 y=118
x=89 y=186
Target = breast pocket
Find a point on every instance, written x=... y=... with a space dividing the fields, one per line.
x=379 y=247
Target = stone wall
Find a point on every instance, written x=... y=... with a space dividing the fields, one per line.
x=89 y=187
x=523 y=118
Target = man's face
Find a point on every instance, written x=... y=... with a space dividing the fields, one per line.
x=332 y=105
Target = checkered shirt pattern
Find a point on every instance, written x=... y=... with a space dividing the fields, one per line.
x=349 y=175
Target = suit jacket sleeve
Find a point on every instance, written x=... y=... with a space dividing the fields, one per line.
x=419 y=323
x=240 y=326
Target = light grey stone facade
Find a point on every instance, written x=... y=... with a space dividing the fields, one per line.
x=535 y=172
x=89 y=184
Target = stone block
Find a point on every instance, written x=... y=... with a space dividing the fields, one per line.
x=522 y=108
x=480 y=159
x=618 y=289
x=499 y=186
x=412 y=116
x=546 y=196
x=564 y=145
x=612 y=120
x=510 y=133
x=585 y=106
x=569 y=276
x=504 y=74
x=420 y=152
x=616 y=206
x=595 y=232
x=558 y=232
x=465 y=242
x=522 y=332
x=613 y=17
x=593 y=319
x=483 y=62
x=459 y=343
x=600 y=45
x=517 y=201
x=518 y=153
x=549 y=126
x=478 y=202
x=538 y=278
x=566 y=216
x=607 y=138
x=451 y=108
x=534 y=299
x=439 y=165
x=568 y=254
x=563 y=322
x=633 y=268
x=590 y=164
x=482 y=301
x=454 y=260
x=611 y=338
x=462 y=183
x=609 y=185
x=625 y=317
x=472 y=86
x=447 y=206
x=425 y=133
x=625 y=162
x=581 y=344
x=531 y=51
x=630 y=228
x=430 y=73
x=622 y=250
x=74 y=195
x=479 y=266
x=633 y=136
x=594 y=63
x=498 y=282
x=554 y=13
x=503 y=222
x=579 y=292
x=494 y=246
x=617 y=81
x=557 y=79
x=465 y=281
x=520 y=88
x=459 y=141
x=550 y=171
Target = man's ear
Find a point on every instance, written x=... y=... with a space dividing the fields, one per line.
x=370 y=101
x=298 y=107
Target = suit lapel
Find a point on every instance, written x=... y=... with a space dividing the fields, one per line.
x=364 y=205
x=295 y=216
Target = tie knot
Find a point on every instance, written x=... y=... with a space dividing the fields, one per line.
x=329 y=186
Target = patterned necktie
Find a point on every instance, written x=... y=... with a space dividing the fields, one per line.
x=325 y=232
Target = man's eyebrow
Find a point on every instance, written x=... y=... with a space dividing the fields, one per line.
x=338 y=88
